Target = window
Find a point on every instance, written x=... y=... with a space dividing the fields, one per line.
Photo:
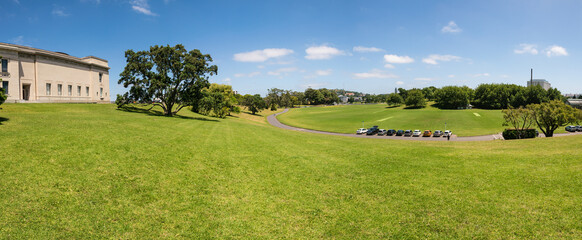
x=60 y=89
x=79 y=91
x=48 y=89
x=70 y=90
x=87 y=88
x=101 y=92
x=4 y=65
x=5 y=86
x=100 y=77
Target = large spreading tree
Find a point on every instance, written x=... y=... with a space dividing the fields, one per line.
x=551 y=115
x=170 y=77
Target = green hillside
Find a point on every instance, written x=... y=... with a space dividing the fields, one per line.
x=91 y=171
x=348 y=118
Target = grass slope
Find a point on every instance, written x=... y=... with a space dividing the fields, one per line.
x=90 y=171
x=348 y=118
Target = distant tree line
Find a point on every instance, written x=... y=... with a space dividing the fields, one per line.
x=486 y=96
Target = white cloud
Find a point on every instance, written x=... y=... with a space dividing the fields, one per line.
x=435 y=58
x=526 y=48
x=399 y=82
x=262 y=55
x=375 y=73
x=323 y=72
x=388 y=65
x=261 y=66
x=451 y=76
x=18 y=40
x=282 y=70
x=313 y=85
x=389 y=58
x=141 y=6
x=424 y=79
x=451 y=28
x=481 y=75
x=556 y=50
x=363 y=49
x=322 y=52
x=59 y=11
x=227 y=80
x=249 y=75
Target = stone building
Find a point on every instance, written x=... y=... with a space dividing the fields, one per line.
x=36 y=75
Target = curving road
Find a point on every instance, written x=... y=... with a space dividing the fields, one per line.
x=272 y=119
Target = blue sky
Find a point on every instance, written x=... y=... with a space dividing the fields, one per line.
x=368 y=46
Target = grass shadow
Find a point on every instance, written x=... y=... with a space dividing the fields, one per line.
x=413 y=107
x=249 y=113
x=392 y=106
x=2 y=119
x=158 y=113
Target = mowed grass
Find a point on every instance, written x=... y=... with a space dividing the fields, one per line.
x=90 y=171
x=348 y=118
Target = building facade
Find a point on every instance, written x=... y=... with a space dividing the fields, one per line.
x=36 y=75
x=540 y=82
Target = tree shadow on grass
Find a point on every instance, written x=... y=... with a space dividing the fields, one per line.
x=2 y=119
x=412 y=107
x=158 y=113
x=392 y=106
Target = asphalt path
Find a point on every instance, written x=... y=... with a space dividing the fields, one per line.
x=272 y=119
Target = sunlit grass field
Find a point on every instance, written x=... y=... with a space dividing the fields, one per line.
x=91 y=171
x=348 y=118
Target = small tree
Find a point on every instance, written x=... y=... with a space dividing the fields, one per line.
x=551 y=115
x=219 y=100
x=519 y=118
x=415 y=99
x=254 y=103
x=394 y=99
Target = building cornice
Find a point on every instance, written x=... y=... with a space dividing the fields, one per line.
x=64 y=56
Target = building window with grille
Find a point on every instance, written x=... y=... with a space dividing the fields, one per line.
x=70 y=90
x=5 y=87
x=79 y=91
x=60 y=89
x=87 y=89
x=100 y=77
x=4 y=65
x=48 y=89
x=101 y=92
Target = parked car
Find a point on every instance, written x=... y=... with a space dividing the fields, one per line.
x=361 y=131
x=390 y=132
x=427 y=133
x=399 y=132
x=373 y=130
x=416 y=133
x=579 y=128
x=448 y=133
x=437 y=133
x=571 y=128
x=382 y=132
x=408 y=133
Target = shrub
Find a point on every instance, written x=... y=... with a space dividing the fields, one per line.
x=514 y=133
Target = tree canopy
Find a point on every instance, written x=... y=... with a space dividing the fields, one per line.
x=394 y=99
x=415 y=99
x=453 y=97
x=170 y=77
x=551 y=115
x=254 y=103
x=219 y=100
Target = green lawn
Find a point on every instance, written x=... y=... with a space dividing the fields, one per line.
x=91 y=171
x=348 y=118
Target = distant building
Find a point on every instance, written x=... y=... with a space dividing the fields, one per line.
x=343 y=99
x=540 y=82
x=36 y=75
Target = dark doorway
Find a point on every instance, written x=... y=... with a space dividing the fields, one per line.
x=26 y=91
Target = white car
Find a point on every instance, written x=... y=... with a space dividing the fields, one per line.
x=448 y=133
x=362 y=131
x=416 y=133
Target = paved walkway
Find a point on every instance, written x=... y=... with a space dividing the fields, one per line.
x=272 y=119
